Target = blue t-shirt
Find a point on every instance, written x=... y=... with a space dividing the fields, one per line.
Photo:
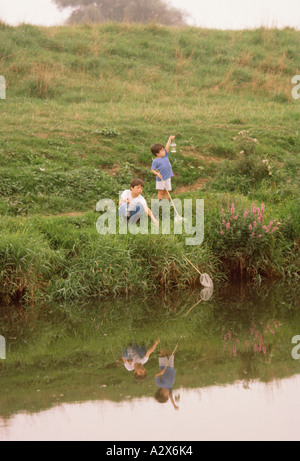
x=163 y=165
x=167 y=379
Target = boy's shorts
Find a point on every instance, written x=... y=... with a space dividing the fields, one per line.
x=160 y=184
x=162 y=361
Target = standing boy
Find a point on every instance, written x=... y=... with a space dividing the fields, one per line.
x=163 y=165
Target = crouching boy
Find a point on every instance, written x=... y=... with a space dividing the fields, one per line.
x=132 y=204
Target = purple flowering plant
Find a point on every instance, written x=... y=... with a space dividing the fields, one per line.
x=248 y=228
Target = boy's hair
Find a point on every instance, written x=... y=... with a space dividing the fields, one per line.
x=160 y=397
x=140 y=378
x=155 y=148
x=136 y=182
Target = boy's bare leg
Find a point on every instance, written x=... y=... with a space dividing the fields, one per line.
x=162 y=194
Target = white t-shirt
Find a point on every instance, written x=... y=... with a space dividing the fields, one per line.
x=136 y=358
x=133 y=202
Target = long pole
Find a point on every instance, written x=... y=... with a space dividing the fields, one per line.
x=169 y=196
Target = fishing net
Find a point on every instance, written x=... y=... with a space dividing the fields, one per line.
x=206 y=281
x=206 y=293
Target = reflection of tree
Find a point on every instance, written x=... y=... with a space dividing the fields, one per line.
x=141 y=11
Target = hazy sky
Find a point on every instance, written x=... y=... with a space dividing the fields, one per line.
x=221 y=14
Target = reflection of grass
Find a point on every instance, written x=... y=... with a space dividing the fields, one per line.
x=53 y=349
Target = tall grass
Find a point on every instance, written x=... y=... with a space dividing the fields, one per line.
x=65 y=258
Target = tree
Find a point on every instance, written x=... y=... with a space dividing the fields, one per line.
x=141 y=11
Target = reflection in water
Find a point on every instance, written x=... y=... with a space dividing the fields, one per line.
x=165 y=377
x=254 y=342
x=205 y=295
x=50 y=350
x=269 y=411
x=135 y=357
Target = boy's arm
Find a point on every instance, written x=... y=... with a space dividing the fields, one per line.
x=173 y=403
x=123 y=200
x=169 y=143
x=157 y=173
x=152 y=349
x=160 y=373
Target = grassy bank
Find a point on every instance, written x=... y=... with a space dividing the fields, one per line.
x=83 y=106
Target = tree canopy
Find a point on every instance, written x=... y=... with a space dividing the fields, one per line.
x=140 y=11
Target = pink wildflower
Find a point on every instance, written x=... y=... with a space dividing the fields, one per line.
x=245 y=213
x=274 y=229
x=254 y=223
x=232 y=208
x=250 y=226
x=262 y=207
x=227 y=226
x=222 y=232
x=235 y=217
x=252 y=234
x=234 y=350
x=223 y=222
x=260 y=235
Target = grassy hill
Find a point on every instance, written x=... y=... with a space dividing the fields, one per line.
x=83 y=105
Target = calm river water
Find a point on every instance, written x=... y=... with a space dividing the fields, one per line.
x=235 y=373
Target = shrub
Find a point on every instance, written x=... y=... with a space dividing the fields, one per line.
x=244 y=238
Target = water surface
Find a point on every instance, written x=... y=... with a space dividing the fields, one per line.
x=236 y=379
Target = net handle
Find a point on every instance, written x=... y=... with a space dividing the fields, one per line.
x=192 y=265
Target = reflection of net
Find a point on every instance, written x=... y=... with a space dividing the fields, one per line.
x=206 y=281
x=206 y=293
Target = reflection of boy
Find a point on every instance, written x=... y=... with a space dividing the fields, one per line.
x=165 y=379
x=135 y=357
